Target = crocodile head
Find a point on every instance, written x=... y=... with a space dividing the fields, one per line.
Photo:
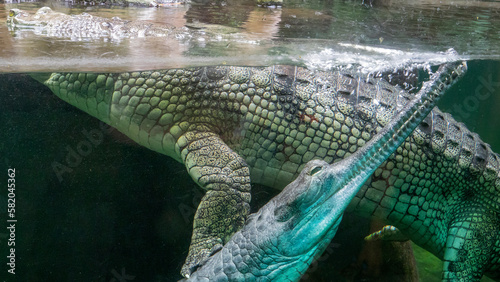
x=21 y=18
x=281 y=240
x=304 y=217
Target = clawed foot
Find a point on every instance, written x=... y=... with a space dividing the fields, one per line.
x=199 y=253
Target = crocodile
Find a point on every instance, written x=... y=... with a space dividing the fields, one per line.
x=280 y=241
x=232 y=125
x=47 y=22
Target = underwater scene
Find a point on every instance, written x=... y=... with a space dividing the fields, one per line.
x=132 y=131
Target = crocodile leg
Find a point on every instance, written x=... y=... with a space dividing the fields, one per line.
x=469 y=245
x=387 y=233
x=226 y=178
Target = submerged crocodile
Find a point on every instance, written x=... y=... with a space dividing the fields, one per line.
x=280 y=241
x=48 y=22
x=230 y=125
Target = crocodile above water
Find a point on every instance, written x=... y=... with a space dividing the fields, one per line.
x=50 y=23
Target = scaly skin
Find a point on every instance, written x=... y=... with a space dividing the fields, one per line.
x=232 y=124
x=50 y=23
x=279 y=242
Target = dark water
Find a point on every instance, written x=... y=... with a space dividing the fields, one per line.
x=126 y=212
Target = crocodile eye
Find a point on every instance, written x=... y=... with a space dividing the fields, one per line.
x=283 y=213
x=315 y=170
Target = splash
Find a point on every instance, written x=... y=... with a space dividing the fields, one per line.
x=369 y=59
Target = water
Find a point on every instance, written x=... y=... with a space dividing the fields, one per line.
x=320 y=34
x=124 y=210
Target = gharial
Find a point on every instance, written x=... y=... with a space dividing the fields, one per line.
x=279 y=242
x=232 y=125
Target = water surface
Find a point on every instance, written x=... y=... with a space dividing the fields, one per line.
x=319 y=34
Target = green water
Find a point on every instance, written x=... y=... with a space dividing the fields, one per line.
x=124 y=211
